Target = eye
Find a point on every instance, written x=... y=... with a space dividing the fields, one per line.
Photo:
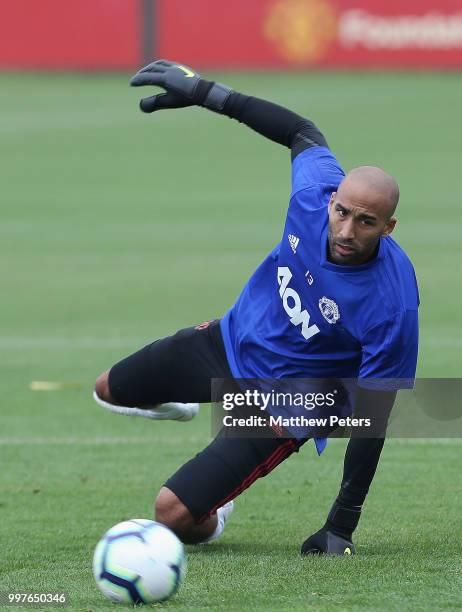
x=368 y=222
x=341 y=212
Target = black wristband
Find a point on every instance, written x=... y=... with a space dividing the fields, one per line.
x=201 y=92
x=343 y=520
x=217 y=97
x=211 y=95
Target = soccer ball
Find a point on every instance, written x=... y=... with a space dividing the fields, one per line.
x=139 y=561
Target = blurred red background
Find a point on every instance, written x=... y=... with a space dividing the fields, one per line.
x=122 y=34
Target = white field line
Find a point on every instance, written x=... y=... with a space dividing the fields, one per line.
x=83 y=343
x=89 y=342
x=413 y=441
x=34 y=122
x=420 y=441
x=169 y=440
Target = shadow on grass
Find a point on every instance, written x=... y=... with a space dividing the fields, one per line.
x=436 y=545
x=251 y=549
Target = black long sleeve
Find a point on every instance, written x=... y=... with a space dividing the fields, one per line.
x=361 y=459
x=360 y=464
x=274 y=122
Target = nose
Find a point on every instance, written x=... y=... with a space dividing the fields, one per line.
x=347 y=230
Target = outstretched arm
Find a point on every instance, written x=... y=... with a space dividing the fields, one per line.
x=184 y=87
x=275 y=122
x=361 y=460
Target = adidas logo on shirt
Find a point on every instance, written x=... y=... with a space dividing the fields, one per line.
x=293 y=241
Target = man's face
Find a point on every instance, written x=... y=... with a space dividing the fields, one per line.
x=356 y=225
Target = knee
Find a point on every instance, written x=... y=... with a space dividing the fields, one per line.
x=170 y=511
x=102 y=387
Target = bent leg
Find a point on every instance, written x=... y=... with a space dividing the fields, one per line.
x=190 y=499
x=177 y=368
x=102 y=388
x=170 y=511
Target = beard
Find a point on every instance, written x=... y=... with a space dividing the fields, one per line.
x=347 y=253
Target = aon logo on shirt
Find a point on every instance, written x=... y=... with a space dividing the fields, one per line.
x=293 y=305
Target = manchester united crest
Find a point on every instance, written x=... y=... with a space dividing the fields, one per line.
x=329 y=310
x=302 y=30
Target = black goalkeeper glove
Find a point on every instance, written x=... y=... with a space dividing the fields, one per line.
x=184 y=87
x=325 y=542
x=335 y=537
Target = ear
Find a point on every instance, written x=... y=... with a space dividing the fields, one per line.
x=332 y=199
x=389 y=227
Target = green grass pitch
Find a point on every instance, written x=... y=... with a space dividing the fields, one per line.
x=117 y=228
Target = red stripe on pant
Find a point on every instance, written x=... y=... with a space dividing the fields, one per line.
x=262 y=469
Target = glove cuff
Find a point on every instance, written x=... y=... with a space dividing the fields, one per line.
x=217 y=97
x=343 y=520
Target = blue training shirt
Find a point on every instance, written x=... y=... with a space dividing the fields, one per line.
x=300 y=315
